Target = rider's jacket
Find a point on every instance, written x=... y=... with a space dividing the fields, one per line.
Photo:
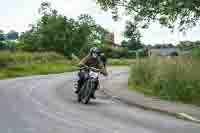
x=93 y=62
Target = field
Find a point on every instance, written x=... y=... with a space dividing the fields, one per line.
x=20 y=64
x=175 y=79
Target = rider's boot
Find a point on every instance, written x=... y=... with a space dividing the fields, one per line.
x=93 y=95
x=80 y=82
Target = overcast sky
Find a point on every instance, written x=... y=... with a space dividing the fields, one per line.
x=18 y=14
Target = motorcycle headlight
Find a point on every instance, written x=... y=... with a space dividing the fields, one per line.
x=93 y=74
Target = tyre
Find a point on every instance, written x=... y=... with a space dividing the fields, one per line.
x=86 y=91
x=86 y=100
x=90 y=90
x=81 y=92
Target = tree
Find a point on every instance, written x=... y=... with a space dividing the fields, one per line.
x=131 y=31
x=188 y=44
x=55 y=32
x=2 y=38
x=170 y=45
x=185 y=45
x=196 y=52
x=124 y=43
x=133 y=36
x=132 y=44
x=185 y=12
x=45 y=9
x=88 y=34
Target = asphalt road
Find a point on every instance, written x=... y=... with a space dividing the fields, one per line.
x=47 y=104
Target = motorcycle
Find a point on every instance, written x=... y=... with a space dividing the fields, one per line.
x=89 y=86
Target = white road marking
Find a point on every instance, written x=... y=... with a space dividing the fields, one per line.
x=188 y=117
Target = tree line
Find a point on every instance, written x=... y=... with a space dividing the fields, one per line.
x=56 y=32
x=65 y=35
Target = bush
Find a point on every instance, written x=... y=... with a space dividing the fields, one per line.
x=3 y=45
x=171 y=78
x=117 y=53
x=10 y=45
x=119 y=62
x=196 y=52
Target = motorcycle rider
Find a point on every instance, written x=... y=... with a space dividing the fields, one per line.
x=93 y=59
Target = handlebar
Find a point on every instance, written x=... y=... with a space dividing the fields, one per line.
x=89 y=68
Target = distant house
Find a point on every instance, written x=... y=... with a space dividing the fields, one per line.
x=109 y=40
x=168 y=52
x=12 y=35
x=164 y=51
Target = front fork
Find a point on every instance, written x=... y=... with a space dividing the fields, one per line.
x=96 y=85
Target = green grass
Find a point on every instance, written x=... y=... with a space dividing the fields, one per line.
x=120 y=62
x=21 y=57
x=20 y=64
x=175 y=79
x=21 y=70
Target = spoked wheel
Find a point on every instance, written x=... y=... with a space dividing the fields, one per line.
x=86 y=100
x=80 y=94
x=86 y=92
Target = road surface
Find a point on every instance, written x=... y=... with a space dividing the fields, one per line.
x=47 y=104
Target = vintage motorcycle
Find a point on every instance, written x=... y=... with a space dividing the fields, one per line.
x=90 y=84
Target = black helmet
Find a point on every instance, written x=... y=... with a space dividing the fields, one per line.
x=95 y=50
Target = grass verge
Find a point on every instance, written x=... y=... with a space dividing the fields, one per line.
x=174 y=79
x=20 y=64
x=21 y=70
x=120 y=62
